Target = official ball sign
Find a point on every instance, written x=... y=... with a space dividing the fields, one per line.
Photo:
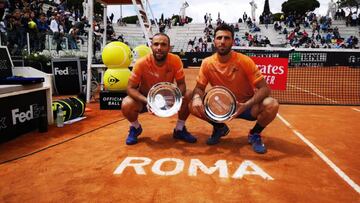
x=111 y=100
x=275 y=71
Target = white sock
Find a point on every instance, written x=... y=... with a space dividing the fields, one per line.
x=180 y=125
x=135 y=124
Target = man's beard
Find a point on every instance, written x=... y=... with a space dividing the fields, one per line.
x=160 y=58
x=224 y=51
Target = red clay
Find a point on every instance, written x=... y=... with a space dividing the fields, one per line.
x=82 y=169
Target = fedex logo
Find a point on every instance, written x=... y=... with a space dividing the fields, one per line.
x=23 y=116
x=66 y=71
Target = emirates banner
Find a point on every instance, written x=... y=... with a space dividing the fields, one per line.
x=274 y=70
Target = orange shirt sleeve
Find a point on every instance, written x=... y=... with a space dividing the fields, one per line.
x=252 y=71
x=136 y=72
x=178 y=67
x=202 y=78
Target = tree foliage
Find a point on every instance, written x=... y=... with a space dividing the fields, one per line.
x=349 y=4
x=276 y=16
x=299 y=6
x=266 y=8
x=76 y=4
x=130 y=19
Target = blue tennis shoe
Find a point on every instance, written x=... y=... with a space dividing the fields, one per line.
x=184 y=135
x=256 y=142
x=133 y=134
x=217 y=134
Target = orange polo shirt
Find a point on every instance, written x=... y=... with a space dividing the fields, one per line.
x=146 y=73
x=239 y=74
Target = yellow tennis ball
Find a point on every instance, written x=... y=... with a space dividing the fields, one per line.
x=116 y=55
x=116 y=79
x=32 y=24
x=141 y=51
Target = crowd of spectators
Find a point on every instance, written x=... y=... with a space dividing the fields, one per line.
x=22 y=17
x=68 y=26
x=205 y=43
x=323 y=34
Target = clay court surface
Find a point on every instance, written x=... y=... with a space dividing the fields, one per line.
x=313 y=156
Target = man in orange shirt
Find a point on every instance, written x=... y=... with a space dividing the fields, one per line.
x=160 y=66
x=240 y=75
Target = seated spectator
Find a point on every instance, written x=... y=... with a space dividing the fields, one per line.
x=277 y=26
x=285 y=31
x=297 y=29
x=121 y=38
x=191 y=42
x=336 y=33
x=322 y=40
x=328 y=38
x=249 y=22
x=203 y=46
x=182 y=53
x=254 y=28
x=313 y=45
x=57 y=30
x=236 y=29
x=81 y=25
x=43 y=29
x=237 y=41
x=266 y=41
x=162 y=27
x=324 y=27
x=355 y=42
x=206 y=30
x=110 y=32
x=72 y=37
x=197 y=49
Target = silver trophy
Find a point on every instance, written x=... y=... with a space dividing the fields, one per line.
x=164 y=99
x=220 y=104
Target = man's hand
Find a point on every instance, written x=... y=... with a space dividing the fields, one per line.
x=149 y=109
x=198 y=106
x=240 y=107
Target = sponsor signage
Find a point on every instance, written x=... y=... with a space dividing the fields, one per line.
x=296 y=58
x=194 y=58
x=67 y=76
x=308 y=58
x=111 y=99
x=264 y=53
x=324 y=58
x=274 y=70
x=83 y=70
x=21 y=113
